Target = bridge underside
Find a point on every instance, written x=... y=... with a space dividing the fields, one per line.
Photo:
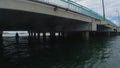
x=21 y=20
x=103 y=28
x=14 y=20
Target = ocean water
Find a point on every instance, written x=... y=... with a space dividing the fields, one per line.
x=99 y=52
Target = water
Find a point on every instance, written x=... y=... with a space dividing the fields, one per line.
x=100 y=52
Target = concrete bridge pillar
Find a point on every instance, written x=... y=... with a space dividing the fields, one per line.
x=1 y=42
x=35 y=36
x=86 y=35
x=59 y=35
x=17 y=38
x=44 y=36
x=29 y=36
x=83 y=35
x=92 y=25
x=117 y=33
x=38 y=35
x=1 y=37
x=52 y=36
x=52 y=39
x=32 y=34
x=93 y=33
x=108 y=33
x=104 y=33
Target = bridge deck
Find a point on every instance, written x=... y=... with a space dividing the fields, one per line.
x=70 y=5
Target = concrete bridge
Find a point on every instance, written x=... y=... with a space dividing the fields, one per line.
x=52 y=16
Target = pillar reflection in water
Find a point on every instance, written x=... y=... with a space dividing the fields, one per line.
x=50 y=51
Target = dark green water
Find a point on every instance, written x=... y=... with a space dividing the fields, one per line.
x=100 y=52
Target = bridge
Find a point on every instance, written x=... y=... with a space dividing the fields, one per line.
x=67 y=18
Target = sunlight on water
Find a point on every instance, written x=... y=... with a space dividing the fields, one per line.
x=12 y=33
x=100 y=52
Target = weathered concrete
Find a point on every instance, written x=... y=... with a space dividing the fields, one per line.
x=48 y=14
x=26 y=5
x=40 y=22
x=38 y=17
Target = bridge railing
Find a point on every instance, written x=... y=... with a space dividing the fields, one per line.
x=70 y=5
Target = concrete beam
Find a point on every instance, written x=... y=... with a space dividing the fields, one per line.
x=103 y=28
x=30 y=6
x=89 y=23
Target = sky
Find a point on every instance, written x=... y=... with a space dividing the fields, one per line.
x=112 y=8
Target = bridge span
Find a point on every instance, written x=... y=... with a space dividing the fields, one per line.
x=66 y=18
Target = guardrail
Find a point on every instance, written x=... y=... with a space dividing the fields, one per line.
x=70 y=5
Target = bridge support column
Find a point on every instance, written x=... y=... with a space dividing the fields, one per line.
x=52 y=39
x=86 y=35
x=82 y=35
x=38 y=35
x=104 y=33
x=52 y=36
x=93 y=33
x=1 y=42
x=44 y=36
x=62 y=35
x=17 y=38
x=108 y=33
x=115 y=33
x=59 y=35
x=35 y=35
x=31 y=35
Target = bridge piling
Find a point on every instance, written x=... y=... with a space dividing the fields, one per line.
x=59 y=35
x=1 y=42
x=52 y=39
x=17 y=38
x=82 y=35
x=52 y=36
x=44 y=36
x=38 y=35
x=93 y=34
x=108 y=33
x=86 y=35
x=35 y=35
x=31 y=35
